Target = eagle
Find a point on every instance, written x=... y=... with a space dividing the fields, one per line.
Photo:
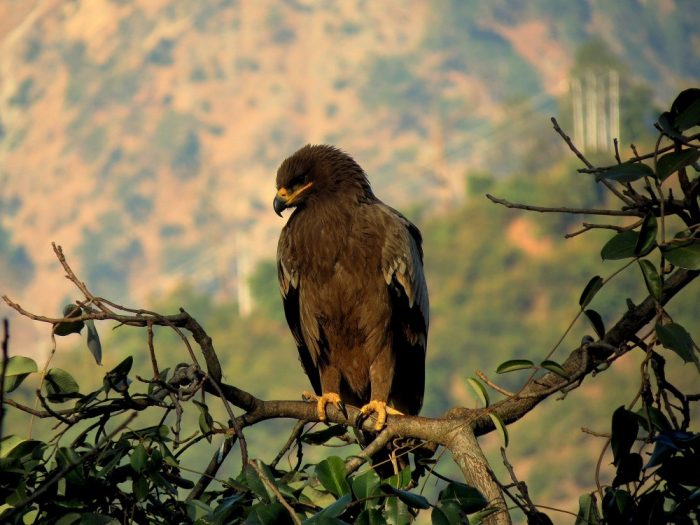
x=350 y=271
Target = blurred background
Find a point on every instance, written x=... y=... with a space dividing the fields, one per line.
x=144 y=135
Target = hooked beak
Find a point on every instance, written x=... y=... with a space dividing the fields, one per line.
x=279 y=204
x=284 y=199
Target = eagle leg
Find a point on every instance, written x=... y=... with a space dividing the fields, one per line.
x=381 y=409
x=323 y=400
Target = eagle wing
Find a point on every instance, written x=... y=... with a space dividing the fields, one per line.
x=289 y=287
x=402 y=268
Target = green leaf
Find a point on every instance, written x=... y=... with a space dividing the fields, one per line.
x=139 y=486
x=60 y=385
x=178 y=480
x=331 y=474
x=627 y=172
x=647 y=236
x=617 y=506
x=628 y=470
x=588 y=511
x=366 y=485
x=124 y=367
x=93 y=341
x=514 y=364
x=332 y=511
x=266 y=514
x=667 y=124
x=686 y=109
x=197 y=509
x=657 y=418
x=674 y=337
x=117 y=377
x=256 y=485
x=500 y=428
x=672 y=162
x=227 y=506
x=447 y=513
x=205 y=419
x=8 y=443
x=139 y=458
x=555 y=367
x=621 y=246
x=479 y=390
x=467 y=498
x=400 y=480
x=438 y=517
x=93 y=518
x=625 y=427
x=396 y=512
x=67 y=327
x=322 y=436
x=18 y=368
x=478 y=517
x=415 y=501
x=370 y=517
x=651 y=278
x=68 y=519
x=67 y=457
x=590 y=290
x=597 y=322
x=684 y=255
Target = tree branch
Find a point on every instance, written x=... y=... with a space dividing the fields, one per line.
x=559 y=209
x=456 y=430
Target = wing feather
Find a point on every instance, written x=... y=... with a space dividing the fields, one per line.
x=402 y=266
x=289 y=282
x=402 y=259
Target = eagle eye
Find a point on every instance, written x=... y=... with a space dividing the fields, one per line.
x=298 y=180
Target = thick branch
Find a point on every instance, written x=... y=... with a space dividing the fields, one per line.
x=583 y=360
x=475 y=468
x=456 y=429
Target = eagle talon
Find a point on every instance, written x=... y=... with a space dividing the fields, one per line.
x=381 y=409
x=323 y=400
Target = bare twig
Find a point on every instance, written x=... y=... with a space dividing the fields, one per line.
x=519 y=485
x=570 y=143
x=586 y=430
x=151 y=349
x=375 y=446
x=273 y=488
x=587 y=226
x=560 y=209
x=293 y=438
x=493 y=385
x=212 y=468
x=637 y=156
x=583 y=159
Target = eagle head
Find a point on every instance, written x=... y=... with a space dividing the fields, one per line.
x=316 y=173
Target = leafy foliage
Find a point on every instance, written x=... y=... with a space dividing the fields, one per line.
x=102 y=466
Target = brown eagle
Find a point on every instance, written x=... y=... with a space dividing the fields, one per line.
x=350 y=271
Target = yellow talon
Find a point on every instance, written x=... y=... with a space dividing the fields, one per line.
x=323 y=400
x=381 y=409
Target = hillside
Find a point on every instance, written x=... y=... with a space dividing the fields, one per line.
x=143 y=136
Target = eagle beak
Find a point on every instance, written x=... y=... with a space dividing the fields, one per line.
x=284 y=199
x=279 y=204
